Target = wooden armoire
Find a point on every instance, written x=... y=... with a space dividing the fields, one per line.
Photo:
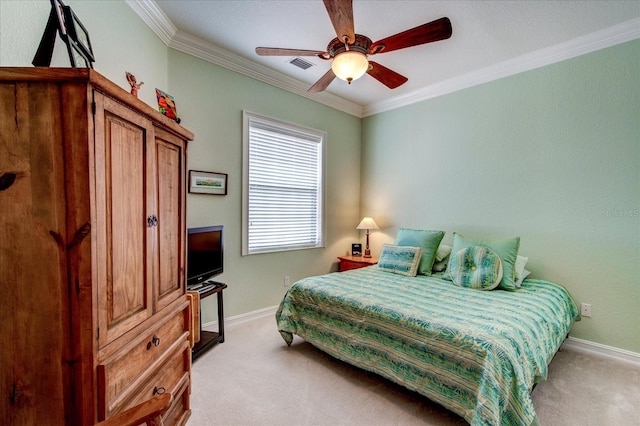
x=93 y=313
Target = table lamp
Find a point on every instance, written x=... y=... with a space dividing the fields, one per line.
x=367 y=223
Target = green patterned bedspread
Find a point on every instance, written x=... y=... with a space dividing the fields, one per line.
x=477 y=353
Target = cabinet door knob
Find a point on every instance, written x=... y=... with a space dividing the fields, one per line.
x=159 y=390
x=152 y=221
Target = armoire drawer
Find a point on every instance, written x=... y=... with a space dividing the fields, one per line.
x=122 y=373
x=172 y=377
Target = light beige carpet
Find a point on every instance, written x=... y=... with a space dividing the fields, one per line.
x=253 y=378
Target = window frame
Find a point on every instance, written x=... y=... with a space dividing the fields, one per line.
x=247 y=119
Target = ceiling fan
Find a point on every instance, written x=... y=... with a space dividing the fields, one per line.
x=349 y=51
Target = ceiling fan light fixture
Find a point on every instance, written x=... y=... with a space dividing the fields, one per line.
x=350 y=65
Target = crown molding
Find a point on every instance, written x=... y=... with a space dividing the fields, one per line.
x=621 y=33
x=151 y=14
x=155 y=18
x=197 y=47
x=160 y=24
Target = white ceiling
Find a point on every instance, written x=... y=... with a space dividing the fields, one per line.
x=491 y=39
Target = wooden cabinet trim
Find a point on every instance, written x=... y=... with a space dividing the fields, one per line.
x=90 y=76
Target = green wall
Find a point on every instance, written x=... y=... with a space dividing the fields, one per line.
x=551 y=155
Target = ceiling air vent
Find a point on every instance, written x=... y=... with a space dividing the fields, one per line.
x=301 y=63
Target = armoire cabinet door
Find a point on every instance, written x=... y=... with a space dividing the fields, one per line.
x=170 y=187
x=123 y=156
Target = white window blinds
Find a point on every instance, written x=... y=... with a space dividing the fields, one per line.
x=283 y=186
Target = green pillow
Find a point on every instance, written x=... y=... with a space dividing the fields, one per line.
x=507 y=250
x=476 y=267
x=428 y=241
x=401 y=260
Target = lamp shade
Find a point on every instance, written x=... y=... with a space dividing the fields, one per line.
x=367 y=223
x=350 y=65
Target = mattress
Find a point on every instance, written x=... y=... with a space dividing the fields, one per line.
x=477 y=353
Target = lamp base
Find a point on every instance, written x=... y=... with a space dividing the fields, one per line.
x=367 y=252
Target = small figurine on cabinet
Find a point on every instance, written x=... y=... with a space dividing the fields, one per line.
x=135 y=86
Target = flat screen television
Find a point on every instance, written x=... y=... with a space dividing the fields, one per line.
x=205 y=253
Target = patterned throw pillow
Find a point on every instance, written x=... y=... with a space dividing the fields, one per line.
x=507 y=250
x=403 y=260
x=476 y=267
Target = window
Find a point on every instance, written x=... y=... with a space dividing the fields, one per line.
x=283 y=186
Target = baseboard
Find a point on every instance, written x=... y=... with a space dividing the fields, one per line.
x=602 y=351
x=242 y=318
x=572 y=343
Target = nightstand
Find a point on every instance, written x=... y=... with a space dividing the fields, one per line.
x=355 y=262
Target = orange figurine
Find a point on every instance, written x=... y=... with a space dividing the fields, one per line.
x=134 y=85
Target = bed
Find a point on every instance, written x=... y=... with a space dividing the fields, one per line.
x=477 y=353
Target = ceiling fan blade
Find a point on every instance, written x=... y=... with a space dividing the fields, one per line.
x=323 y=83
x=384 y=75
x=341 y=15
x=277 y=51
x=440 y=29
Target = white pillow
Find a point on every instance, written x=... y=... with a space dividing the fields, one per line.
x=443 y=251
x=521 y=261
x=523 y=275
x=440 y=266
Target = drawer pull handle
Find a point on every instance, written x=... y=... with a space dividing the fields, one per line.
x=155 y=341
x=159 y=390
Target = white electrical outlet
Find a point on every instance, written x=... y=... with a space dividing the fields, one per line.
x=286 y=280
x=585 y=309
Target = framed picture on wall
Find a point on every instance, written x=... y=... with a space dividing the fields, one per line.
x=207 y=182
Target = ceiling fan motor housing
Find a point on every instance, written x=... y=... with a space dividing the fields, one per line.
x=361 y=45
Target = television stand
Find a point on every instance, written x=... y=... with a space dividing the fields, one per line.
x=210 y=338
